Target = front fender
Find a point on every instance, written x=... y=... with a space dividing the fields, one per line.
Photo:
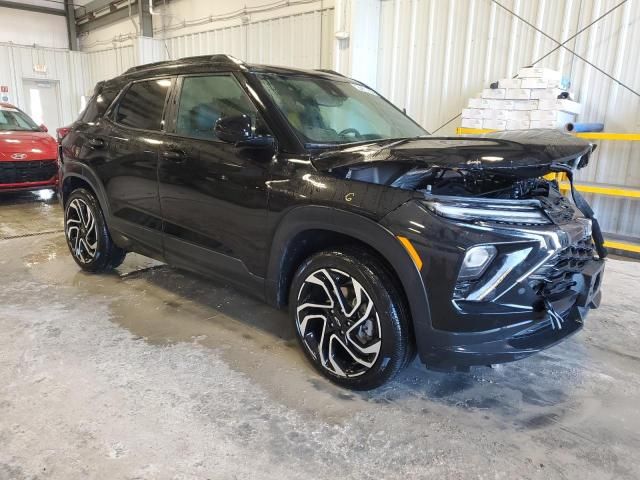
x=369 y=232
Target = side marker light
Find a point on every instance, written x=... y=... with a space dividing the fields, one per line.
x=411 y=251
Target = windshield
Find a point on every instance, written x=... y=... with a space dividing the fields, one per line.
x=14 y=119
x=334 y=112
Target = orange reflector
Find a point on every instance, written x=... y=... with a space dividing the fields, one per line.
x=411 y=251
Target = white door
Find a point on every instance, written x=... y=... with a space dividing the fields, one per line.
x=42 y=103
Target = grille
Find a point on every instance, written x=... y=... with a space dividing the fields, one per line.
x=556 y=276
x=23 y=172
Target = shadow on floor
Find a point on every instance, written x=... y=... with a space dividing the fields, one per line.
x=511 y=391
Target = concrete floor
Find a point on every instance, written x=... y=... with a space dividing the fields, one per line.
x=155 y=373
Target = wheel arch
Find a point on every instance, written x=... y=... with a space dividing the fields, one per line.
x=286 y=254
x=74 y=182
x=77 y=175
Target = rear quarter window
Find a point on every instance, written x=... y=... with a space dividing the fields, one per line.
x=98 y=105
x=142 y=105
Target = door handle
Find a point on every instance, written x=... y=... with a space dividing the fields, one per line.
x=96 y=142
x=176 y=156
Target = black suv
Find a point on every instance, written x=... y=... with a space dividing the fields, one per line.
x=308 y=189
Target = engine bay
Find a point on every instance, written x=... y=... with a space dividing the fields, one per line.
x=453 y=182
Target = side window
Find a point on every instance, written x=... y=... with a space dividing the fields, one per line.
x=143 y=104
x=203 y=100
x=98 y=105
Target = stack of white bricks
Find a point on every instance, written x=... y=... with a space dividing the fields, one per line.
x=528 y=101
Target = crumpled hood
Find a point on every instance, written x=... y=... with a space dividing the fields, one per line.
x=520 y=153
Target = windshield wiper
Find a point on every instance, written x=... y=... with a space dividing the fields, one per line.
x=404 y=140
x=400 y=141
x=395 y=142
x=335 y=144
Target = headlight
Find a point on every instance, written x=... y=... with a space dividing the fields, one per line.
x=505 y=211
x=476 y=260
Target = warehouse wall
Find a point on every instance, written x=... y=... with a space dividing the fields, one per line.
x=433 y=55
x=108 y=63
x=185 y=17
x=191 y=16
x=116 y=35
x=299 y=34
x=302 y=40
x=27 y=28
x=68 y=69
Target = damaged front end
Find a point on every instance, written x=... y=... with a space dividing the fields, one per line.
x=518 y=263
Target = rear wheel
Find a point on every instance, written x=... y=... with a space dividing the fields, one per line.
x=87 y=235
x=350 y=318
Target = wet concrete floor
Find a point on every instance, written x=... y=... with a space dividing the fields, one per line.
x=150 y=372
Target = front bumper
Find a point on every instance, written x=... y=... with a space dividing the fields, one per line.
x=526 y=338
x=17 y=176
x=29 y=186
x=537 y=292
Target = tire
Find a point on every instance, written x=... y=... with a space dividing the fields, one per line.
x=87 y=235
x=350 y=318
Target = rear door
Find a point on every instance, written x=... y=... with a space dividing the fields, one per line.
x=132 y=139
x=212 y=193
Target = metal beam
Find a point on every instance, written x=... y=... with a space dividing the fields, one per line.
x=144 y=18
x=93 y=6
x=107 y=19
x=71 y=25
x=32 y=8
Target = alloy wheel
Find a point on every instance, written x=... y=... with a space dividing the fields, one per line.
x=81 y=230
x=338 y=323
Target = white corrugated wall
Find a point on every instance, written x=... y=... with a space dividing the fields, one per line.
x=229 y=40
x=434 y=55
x=302 y=40
x=109 y=63
x=66 y=68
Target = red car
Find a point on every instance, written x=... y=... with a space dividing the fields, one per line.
x=28 y=154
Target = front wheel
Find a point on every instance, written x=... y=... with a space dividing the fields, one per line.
x=87 y=235
x=350 y=318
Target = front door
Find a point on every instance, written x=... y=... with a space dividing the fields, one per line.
x=132 y=138
x=213 y=194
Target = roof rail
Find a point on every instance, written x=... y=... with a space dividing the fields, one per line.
x=222 y=59
x=327 y=70
x=146 y=66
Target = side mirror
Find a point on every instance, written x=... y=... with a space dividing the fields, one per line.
x=43 y=128
x=237 y=130
x=233 y=129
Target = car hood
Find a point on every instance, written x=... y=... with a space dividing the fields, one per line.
x=521 y=153
x=27 y=146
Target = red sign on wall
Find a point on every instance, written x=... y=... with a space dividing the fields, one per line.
x=4 y=89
